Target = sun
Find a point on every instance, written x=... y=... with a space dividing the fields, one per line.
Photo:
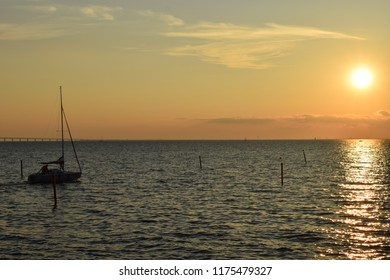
x=362 y=78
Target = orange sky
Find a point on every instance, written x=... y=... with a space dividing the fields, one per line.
x=194 y=69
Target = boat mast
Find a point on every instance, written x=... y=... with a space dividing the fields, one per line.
x=62 y=129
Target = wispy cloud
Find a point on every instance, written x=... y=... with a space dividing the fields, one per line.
x=44 y=9
x=169 y=20
x=93 y=11
x=381 y=115
x=219 y=31
x=101 y=12
x=298 y=126
x=249 y=55
x=240 y=46
x=58 y=20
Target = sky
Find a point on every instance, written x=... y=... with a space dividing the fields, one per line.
x=184 y=69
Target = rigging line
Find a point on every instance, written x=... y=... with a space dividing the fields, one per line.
x=71 y=140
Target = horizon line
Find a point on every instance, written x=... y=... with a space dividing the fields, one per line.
x=47 y=139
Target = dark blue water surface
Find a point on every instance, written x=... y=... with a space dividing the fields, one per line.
x=151 y=200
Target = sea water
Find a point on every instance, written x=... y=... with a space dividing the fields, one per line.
x=153 y=200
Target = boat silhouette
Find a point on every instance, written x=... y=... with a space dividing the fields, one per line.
x=49 y=174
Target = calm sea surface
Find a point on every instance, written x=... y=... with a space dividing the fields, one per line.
x=151 y=200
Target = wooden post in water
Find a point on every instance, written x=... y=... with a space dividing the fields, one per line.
x=54 y=190
x=304 y=156
x=21 y=169
x=200 y=162
x=281 y=172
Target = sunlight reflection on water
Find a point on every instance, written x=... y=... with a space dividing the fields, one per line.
x=363 y=195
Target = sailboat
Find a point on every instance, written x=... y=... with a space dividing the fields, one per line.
x=57 y=174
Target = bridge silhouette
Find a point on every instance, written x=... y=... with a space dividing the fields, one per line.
x=28 y=139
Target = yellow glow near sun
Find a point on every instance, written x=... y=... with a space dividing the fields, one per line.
x=362 y=77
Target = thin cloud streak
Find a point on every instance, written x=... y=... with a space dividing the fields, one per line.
x=246 y=47
x=43 y=9
x=307 y=126
x=219 y=31
x=304 y=118
x=92 y=11
x=249 y=55
x=169 y=20
x=101 y=12
x=65 y=19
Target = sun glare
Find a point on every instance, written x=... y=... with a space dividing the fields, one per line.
x=361 y=78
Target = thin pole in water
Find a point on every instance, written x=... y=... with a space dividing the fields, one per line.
x=281 y=172
x=304 y=156
x=54 y=190
x=21 y=169
x=200 y=162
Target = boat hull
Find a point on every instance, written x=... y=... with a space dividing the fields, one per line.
x=57 y=176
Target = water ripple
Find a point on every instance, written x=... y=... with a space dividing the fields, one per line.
x=151 y=200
